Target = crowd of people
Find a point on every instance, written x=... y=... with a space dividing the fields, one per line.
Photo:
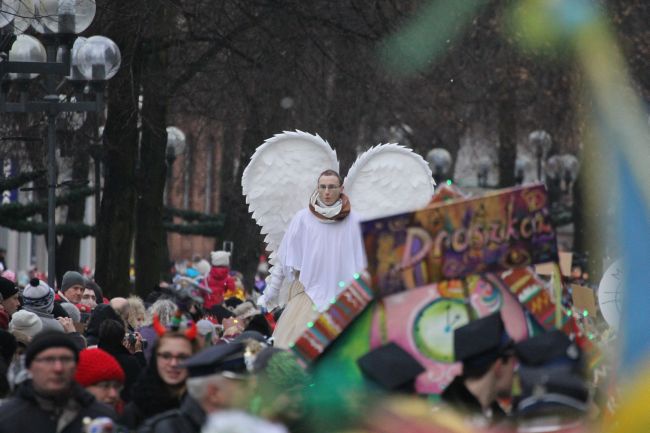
x=163 y=364
x=204 y=354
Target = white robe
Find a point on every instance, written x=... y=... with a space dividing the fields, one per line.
x=324 y=253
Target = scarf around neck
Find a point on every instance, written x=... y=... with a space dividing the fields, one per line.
x=335 y=212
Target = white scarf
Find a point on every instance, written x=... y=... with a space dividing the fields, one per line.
x=327 y=211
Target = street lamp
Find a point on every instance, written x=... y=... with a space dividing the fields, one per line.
x=439 y=160
x=561 y=173
x=484 y=165
x=522 y=164
x=541 y=142
x=175 y=146
x=562 y=170
x=73 y=72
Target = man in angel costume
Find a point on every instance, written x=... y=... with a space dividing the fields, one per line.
x=312 y=231
x=323 y=244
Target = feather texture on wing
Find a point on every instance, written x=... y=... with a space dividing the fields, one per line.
x=388 y=179
x=280 y=177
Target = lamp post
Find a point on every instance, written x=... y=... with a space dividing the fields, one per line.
x=541 y=142
x=439 y=160
x=175 y=146
x=522 y=164
x=73 y=72
x=561 y=173
x=484 y=165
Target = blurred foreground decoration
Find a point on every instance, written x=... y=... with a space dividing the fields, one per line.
x=618 y=132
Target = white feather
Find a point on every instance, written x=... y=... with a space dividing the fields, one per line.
x=280 y=178
x=388 y=179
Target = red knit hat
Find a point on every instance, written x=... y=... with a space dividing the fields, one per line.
x=96 y=365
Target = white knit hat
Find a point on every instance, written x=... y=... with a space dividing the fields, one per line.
x=204 y=327
x=26 y=322
x=220 y=258
x=202 y=266
x=38 y=296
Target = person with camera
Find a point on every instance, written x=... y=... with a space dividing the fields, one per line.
x=162 y=384
x=126 y=348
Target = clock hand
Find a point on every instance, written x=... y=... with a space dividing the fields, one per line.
x=456 y=319
x=447 y=326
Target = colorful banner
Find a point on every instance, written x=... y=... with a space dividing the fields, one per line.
x=507 y=229
x=331 y=323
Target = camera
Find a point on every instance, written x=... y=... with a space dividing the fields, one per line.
x=131 y=338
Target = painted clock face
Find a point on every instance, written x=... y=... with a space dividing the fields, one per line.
x=433 y=329
x=610 y=291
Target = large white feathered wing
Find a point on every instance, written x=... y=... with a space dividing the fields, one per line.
x=388 y=179
x=280 y=177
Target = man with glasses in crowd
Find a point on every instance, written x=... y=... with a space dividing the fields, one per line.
x=322 y=246
x=51 y=401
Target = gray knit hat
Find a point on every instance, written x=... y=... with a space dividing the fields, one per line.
x=72 y=278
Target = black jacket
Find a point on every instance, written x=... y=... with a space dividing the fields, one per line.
x=150 y=396
x=24 y=412
x=100 y=313
x=460 y=398
x=132 y=364
x=189 y=418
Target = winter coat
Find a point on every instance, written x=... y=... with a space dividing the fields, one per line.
x=149 y=396
x=100 y=313
x=27 y=413
x=149 y=334
x=132 y=364
x=219 y=281
x=4 y=320
x=48 y=321
x=188 y=418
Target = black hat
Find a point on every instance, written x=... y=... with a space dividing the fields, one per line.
x=481 y=342
x=250 y=335
x=553 y=348
x=7 y=288
x=92 y=285
x=225 y=358
x=391 y=367
x=48 y=340
x=232 y=302
x=220 y=312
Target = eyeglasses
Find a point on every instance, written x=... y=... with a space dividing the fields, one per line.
x=328 y=187
x=166 y=356
x=106 y=385
x=52 y=360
